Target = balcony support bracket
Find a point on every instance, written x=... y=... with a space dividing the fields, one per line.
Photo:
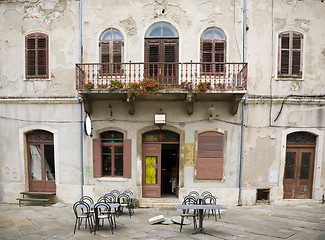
x=130 y=102
x=190 y=103
x=87 y=104
x=235 y=103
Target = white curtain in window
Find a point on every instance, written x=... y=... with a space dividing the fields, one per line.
x=36 y=165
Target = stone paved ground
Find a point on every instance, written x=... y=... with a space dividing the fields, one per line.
x=276 y=221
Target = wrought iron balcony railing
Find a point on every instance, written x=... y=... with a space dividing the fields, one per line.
x=228 y=76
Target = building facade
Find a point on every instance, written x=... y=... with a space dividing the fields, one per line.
x=162 y=98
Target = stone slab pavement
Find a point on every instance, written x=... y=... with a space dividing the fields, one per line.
x=276 y=221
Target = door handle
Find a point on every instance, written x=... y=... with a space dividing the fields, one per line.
x=155 y=166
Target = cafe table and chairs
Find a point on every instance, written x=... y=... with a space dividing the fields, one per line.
x=103 y=212
x=200 y=208
x=82 y=212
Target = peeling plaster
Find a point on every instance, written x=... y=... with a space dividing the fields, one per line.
x=279 y=23
x=130 y=26
x=302 y=23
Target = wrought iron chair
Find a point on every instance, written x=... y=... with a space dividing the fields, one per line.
x=115 y=192
x=209 y=199
x=193 y=193
x=128 y=192
x=90 y=202
x=206 y=193
x=110 y=198
x=187 y=201
x=82 y=211
x=102 y=212
x=125 y=201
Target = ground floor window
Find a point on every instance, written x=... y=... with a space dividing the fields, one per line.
x=112 y=156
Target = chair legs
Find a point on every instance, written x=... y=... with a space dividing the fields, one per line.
x=79 y=222
x=194 y=223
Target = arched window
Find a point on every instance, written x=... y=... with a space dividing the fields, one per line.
x=290 y=54
x=36 y=56
x=111 y=45
x=210 y=152
x=161 y=53
x=112 y=155
x=213 y=51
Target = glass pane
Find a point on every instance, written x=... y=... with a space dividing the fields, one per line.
x=49 y=162
x=111 y=137
x=118 y=149
x=154 y=30
x=160 y=136
x=118 y=165
x=208 y=34
x=107 y=165
x=296 y=42
x=106 y=35
x=301 y=137
x=168 y=30
x=305 y=165
x=107 y=149
x=151 y=170
x=35 y=162
x=290 y=165
x=117 y=35
x=218 y=34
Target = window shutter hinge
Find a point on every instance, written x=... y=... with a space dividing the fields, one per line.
x=302 y=36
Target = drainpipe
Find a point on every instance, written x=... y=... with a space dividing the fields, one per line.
x=243 y=111
x=80 y=104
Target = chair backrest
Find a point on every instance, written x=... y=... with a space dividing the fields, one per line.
x=128 y=192
x=86 y=199
x=206 y=193
x=209 y=199
x=101 y=207
x=124 y=198
x=81 y=208
x=189 y=200
x=115 y=192
x=102 y=200
x=193 y=193
x=110 y=197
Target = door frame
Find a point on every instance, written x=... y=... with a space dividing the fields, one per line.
x=299 y=148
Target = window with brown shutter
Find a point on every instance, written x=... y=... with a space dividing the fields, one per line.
x=112 y=155
x=213 y=51
x=210 y=152
x=36 y=54
x=111 y=51
x=290 y=54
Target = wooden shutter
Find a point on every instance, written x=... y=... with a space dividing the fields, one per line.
x=117 y=56
x=36 y=56
x=206 y=55
x=104 y=56
x=290 y=54
x=127 y=163
x=219 y=55
x=97 y=158
x=210 y=156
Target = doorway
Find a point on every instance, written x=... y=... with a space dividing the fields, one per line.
x=160 y=164
x=299 y=166
x=41 y=165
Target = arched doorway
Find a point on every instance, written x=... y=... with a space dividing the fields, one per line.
x=160 y=164
x=299 y=165
x=41 y=166
x=161 y=53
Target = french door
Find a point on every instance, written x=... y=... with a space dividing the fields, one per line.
x=161 y=57
x=41 y=167
x=298 y=174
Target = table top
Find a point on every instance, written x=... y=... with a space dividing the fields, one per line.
x=201 y=206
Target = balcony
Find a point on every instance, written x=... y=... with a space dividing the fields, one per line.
x=228 y=81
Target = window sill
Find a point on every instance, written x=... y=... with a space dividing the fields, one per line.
x=289 y=79
x=37 y=79
x=111 y=179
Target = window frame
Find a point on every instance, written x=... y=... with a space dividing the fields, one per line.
x=37 y=36
x=291 y=50
x=213 y=41
x=117 y=66
x=210 y=162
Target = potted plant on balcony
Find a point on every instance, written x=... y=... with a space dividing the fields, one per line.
x=202 y=87
x=144 y=87
x=188 y=86
x=115 y=85
x=88 y=85
x=220 y=86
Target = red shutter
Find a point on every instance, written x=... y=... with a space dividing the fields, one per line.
x=97 y=158
x=127 y=163
x=36 y=56
x=210 y=156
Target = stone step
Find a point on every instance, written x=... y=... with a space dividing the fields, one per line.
x=159 y=202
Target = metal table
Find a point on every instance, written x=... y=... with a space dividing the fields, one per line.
x=201 y=207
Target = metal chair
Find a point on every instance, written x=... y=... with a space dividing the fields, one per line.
x=187 y=201
x=82 y=211
x=115 y=192
x=193 y=193
x=110 y=198
x=206 y=193
x=102 y=212
x=125 y=201
x=209 y=199
x=128 y=192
